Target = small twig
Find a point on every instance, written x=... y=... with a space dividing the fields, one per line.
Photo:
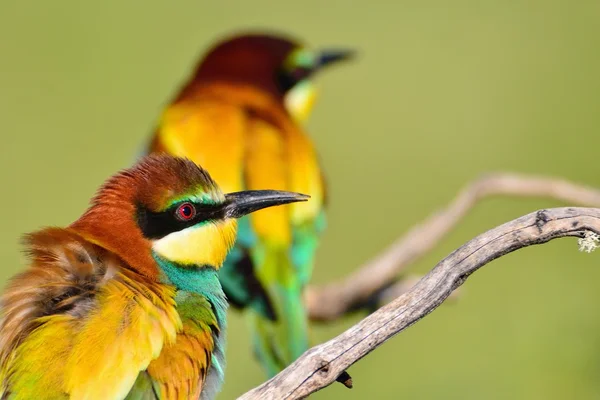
x=331 y=301
x=319 y=366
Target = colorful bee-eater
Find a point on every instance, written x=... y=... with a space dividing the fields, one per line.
x=239 y=116
x=125 y=303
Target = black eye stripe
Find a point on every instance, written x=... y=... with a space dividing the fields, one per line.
x=287 y=79
x=155 y=225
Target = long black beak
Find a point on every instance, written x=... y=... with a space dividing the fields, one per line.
x=238 y=204
x=327 y=57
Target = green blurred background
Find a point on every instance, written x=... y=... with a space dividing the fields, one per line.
x=443 y=91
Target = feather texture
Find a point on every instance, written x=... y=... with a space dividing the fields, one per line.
x=99 y=315
x=248 y=140
x=102 y=319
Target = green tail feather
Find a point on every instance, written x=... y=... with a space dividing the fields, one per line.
x=268 y=280
x=279 y=342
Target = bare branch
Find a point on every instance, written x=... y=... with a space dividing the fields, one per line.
x=319 y=366
x=399 y=288
x=331 y=301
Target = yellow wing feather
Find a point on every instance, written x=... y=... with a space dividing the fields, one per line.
x=246 y=141
x=265 y=167
x=181 y=369
x=210 y=133
x=121 y=336
x=38 y=369
x=77 y=325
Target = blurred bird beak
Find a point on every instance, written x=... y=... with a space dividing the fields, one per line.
x=327 y=57
x=238 y=204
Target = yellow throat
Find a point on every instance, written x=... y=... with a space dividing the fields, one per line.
x=206 y=244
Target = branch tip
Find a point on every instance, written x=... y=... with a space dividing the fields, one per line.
x=589 y=242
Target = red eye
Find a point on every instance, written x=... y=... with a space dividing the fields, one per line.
x=186 y=211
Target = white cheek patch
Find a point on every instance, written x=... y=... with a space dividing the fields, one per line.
x=300 y=99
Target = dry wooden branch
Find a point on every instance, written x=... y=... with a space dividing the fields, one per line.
x=331 y=301
x=319 y=366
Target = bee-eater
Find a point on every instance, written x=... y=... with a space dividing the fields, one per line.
x=240 y=116
x=125 y=303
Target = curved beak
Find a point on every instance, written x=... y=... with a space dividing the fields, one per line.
x=238 y=204
x=327 y=57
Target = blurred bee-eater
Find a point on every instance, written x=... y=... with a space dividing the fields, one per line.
x=125 y=303
x=239 y=116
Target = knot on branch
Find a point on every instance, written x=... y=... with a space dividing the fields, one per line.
x=541 y=218
x=324 y=372
x=323 y=368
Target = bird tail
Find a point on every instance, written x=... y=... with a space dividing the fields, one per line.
x=282 y=337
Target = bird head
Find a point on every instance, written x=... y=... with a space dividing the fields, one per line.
x=276 y=64
x=171 y=208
